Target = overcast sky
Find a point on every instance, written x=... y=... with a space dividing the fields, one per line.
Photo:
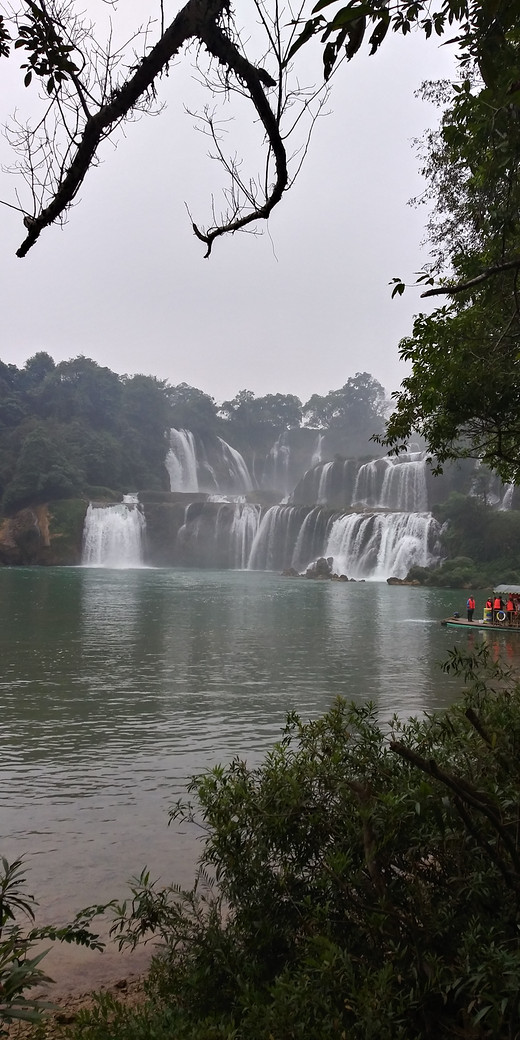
x=298 y=310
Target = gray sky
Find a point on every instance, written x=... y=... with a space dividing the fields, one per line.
x=298 y=310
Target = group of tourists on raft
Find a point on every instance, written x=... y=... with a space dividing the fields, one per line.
x=497 y=611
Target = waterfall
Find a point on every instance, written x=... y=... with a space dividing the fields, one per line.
x=312 y=536
x=242 y=533
x=113 y=536
x=369 y=546
x=277 y=466
x=181 y=461
x=321 y=497
x=217 y=533
x=206 y=464
x=317 y=456
x=379 y=545
x=507 y=498
x=274 y=542
x=393 y=483
x=371 y=516
x=237 y=469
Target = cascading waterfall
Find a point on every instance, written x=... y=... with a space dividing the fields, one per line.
x=113 y=536
x=371 y=517
x=312 y=536
x=393 y=483
x=276 y=473
x=369 y=546
x=276 y=538
x=243 y=531
x=210 y=465
x=379 y=545
x=237 y=469
x=317 y=455
x=181 y=461
x=321 y=498
x=507 y=498
x=217 y=533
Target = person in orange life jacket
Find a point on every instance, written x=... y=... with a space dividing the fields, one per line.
x=497 y=605
x=510 y=609
x=471 y=608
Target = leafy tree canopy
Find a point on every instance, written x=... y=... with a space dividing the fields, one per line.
x=279 y=411
x=191 y=409
x=463 y=394
x=357 y=407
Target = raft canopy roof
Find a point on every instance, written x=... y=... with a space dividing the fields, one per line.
x=503 y=589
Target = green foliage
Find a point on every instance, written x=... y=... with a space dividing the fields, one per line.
x=276 y=411
x=482 y=28
x=67 y=427
x=20 y=969
x=42 y=472
x=67 y=520
x=356 y=411
x=481 y=545
x=368 y=884
x=458 y=573
x=191 y=409
x=463 y=394
x=74 y=426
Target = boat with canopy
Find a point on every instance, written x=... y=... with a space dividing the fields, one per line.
x=496 y=620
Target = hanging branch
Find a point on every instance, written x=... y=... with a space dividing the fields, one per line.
x=218 y=45
x=489 y=272
x=198 y=20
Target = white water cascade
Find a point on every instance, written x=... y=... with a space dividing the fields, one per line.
x=371 y=517
x=379 y=545
x=181 y=461
x=243 y=530
x=208 y=465
x=113 y=536
x=237 y=469
x=277 y=465
x=393 y=483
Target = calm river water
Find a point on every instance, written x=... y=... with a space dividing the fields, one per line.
x=118 y=685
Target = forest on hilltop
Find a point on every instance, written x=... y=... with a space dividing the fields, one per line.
x=77 y=428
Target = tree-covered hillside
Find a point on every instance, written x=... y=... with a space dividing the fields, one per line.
x=76 y=428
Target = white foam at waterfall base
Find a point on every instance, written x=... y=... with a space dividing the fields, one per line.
x=113 y=536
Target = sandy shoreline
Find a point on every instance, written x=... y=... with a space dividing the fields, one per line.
x=77 y=974
x=128 y=990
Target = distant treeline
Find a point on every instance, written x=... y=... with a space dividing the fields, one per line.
x=78 y=428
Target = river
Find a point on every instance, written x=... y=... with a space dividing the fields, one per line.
x=118 y=685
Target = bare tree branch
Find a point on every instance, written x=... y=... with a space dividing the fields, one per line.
x=198 y=20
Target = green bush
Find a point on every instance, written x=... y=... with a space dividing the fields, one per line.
x=20 y=964
x=367 y=884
